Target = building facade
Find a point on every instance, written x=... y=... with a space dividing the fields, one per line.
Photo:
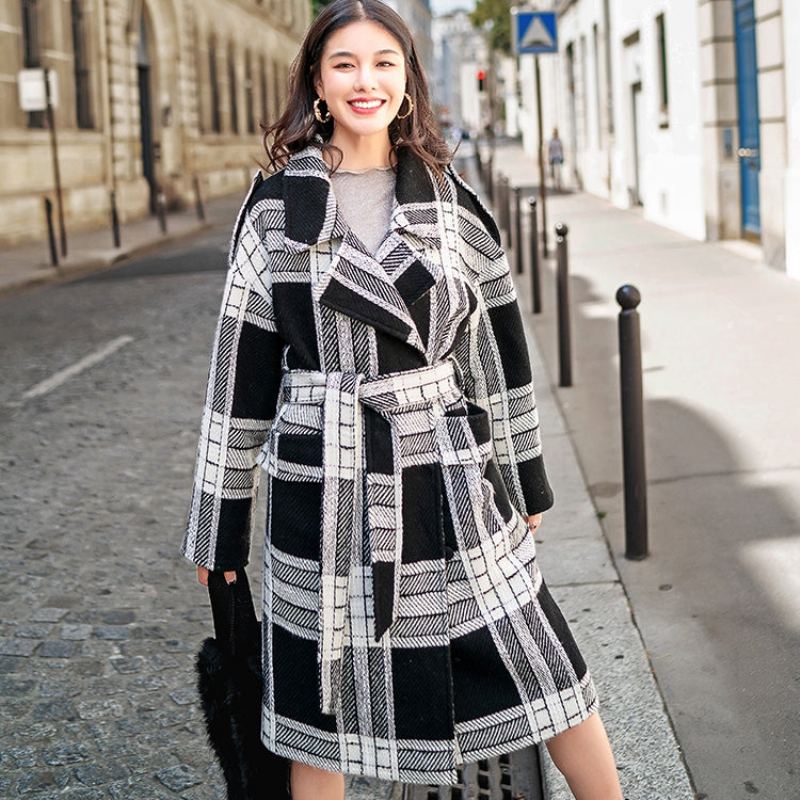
x=687 y=108
x=459 y=52
x=417 y=15
x=151 y=93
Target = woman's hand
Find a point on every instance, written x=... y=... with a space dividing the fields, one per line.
x=534 y=521
x=202 y=576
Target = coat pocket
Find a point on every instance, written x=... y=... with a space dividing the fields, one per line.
x=464 y=436
x=465 y=448
x=294 y=448
x=496 y=553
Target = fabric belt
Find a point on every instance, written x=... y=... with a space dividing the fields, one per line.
x=343 y=503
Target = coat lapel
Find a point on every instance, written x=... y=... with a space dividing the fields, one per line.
x=379 y=289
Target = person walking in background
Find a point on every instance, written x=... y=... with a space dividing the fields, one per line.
x=555 y=155
x=370 y=357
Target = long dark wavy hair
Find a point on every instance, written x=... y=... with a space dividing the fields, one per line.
x=297 y=126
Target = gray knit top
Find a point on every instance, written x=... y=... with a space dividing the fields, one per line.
x=365 y=198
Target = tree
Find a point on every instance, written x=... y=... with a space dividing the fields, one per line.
x=498 y=14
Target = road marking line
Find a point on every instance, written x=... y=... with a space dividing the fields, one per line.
x=65 y=374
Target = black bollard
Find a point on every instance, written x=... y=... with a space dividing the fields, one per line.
x=161 y=210
x=506 y=187
x=562 y=289
x=114 y=218
x=490 y=182
x=536 y=286
x=518 y=230
x=499 y=201
x=198 y=198
x=51 y=234
x=632 y=406
x=507 y=196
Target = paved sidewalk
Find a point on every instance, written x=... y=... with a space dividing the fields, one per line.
x=578 y=567
x=87 y=251
x=717 y=600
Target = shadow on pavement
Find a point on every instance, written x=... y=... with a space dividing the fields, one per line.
x=717 y=599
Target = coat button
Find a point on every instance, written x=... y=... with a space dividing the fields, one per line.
x=448 y=552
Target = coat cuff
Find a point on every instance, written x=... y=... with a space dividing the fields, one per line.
x=537 y=493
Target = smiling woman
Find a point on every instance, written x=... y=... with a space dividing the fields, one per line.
x=370 y=357
x=381 y=73
x=359 y=83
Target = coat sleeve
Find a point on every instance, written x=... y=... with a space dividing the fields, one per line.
x=241 y=396
x=496 y=366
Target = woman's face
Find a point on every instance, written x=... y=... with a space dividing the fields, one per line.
x=362 y=62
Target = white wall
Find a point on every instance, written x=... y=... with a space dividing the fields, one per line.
x=671 y=175
x=587 y=156
x=552 y=99
x=791 y=34
x=469 y=96
x=671 y=158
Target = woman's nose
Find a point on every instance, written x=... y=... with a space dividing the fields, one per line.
x=364 y=78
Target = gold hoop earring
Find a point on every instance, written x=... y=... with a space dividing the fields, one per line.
x=410 y=107
x=317 y=113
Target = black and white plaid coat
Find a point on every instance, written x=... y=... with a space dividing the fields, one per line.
x=389 y=399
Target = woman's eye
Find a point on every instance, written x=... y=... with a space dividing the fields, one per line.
x=382 y=63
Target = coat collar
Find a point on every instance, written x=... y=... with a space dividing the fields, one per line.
x=313 y=216
x=378 y=289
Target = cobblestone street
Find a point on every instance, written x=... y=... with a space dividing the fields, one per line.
x=100 y=617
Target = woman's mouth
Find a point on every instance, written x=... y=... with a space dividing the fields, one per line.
x=365 y=107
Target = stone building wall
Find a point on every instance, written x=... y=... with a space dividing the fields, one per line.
x=120 y=51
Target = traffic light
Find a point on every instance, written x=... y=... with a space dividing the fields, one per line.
x=481 y=79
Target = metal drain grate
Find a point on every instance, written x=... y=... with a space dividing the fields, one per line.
x=507 y=777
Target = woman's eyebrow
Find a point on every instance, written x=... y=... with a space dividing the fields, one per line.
x=340 y=53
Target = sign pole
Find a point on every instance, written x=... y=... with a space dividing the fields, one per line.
x=542 y=184
x=536 y=32
x=51 y=123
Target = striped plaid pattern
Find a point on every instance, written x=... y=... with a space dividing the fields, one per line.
x=389 y=401
x=400 y=399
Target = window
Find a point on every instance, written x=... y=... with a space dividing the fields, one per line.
x=262 y=87
x=30 y=33
x=276 y=92
x=596 y=68
x=32 y=56
x=233 y=89
x=663 y=82
x=213 y=76
x=80 y=56
x=248 y=92
x=607 y=53
x=199 y=82
x=571 y=101
x=585 y=91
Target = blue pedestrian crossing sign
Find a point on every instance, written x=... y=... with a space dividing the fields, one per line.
x=534 y=32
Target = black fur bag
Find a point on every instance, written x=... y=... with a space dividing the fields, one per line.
x=229 y=682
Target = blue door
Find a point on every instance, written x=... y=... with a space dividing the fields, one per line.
x=749 y=142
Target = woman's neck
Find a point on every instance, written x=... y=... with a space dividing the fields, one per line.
x=362 y=152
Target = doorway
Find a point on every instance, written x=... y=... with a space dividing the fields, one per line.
x=145 y=79
x=573 y=114
x=636 y=118
x=749 y=122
